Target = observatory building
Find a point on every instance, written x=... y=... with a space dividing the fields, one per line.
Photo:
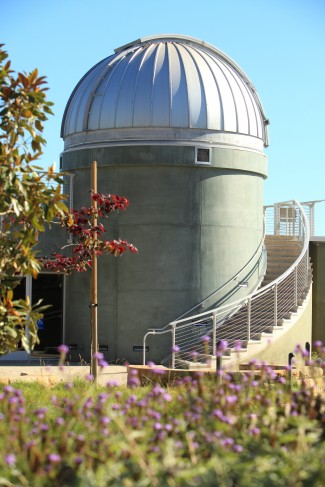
x=178 y=128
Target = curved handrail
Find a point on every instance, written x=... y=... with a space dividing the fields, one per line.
x=240 y=302
x=279 y=279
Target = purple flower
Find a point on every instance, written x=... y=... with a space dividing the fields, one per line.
x=167 y=397
x=54 y=458
x=237 y=448
x=134 y=381
x=63 y=349
x=222 y=345
x=155 y=449
x=175 y=349
x=158 y=371
x=238 y=345
x=105 y=420
x=10 y=459
x=103 y=396
x=231 y=399
x=219 y=414
x=8 y=389
x=318 y=343
x=40 y=412
x=193 y=354
x=205 y=339
x=227 y=442
x=30 y=443
x=98 y=356
x=102 y=364
x=143 y=403
x=255 y=431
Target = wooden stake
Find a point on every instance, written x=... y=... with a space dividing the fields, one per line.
x=93 y=292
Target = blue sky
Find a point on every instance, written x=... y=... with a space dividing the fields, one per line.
x=280 y=44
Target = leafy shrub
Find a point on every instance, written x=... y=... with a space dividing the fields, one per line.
x=202 y=431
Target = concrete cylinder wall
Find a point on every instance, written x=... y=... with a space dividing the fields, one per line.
x=195 y=227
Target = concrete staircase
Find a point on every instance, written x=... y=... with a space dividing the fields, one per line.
x=282 y=251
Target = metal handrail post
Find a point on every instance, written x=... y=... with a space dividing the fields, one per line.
x=287 y=222
x=296 y=286
x=173 y=344
x=276 y=219
x=276 y=304
x=214 y=334
x=293 y=218
x=144 y=346
x=312 y=219
x=249 y=306
x=219 y=366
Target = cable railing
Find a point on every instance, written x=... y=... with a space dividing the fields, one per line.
x=256 y=314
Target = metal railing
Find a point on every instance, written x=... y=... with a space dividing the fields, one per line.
x=248 y=318
x=284 y=219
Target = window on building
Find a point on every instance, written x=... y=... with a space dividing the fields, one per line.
x=202 y=156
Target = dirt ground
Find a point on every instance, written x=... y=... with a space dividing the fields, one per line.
x=52 y=374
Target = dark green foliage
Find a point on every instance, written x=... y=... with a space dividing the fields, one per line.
x=29 y=197
x=198 y=432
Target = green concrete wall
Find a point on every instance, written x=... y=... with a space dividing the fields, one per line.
x=195 y=227
x=317 y=255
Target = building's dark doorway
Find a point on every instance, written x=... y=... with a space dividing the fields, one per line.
x=49 y=288
x=20 y=289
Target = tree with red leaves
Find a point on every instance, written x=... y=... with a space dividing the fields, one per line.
x=87 y=237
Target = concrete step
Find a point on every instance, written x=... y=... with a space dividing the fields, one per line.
x=281 y=262
x=277 y=241
x=280 y=238
x=281 y=254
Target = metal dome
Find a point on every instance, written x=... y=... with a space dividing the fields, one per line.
x=157 y=84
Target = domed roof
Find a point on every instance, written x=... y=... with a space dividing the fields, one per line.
x=164 y=82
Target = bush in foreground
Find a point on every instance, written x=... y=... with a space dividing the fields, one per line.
x=200 y=432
